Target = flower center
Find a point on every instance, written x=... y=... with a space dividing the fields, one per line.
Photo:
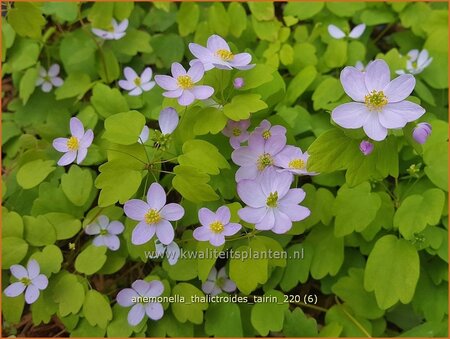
x=185 y=82
x=266 y=134
x=216 y=227
x=297 y=164
x=26 y=281
x=272 y=199
x=220 y=281
x=225 y=55
x=72 y=143
x=264 y=160
x=375 y=101
x=138 y=81
x=152 y=216
x=103 y=232
x=236 y=132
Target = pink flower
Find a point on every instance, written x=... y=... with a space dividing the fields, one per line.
x=76 y=146
x=380 y=103
x=366 y=147
x=421 y=132
x=292 y=159
x=238 y=83
x=237 y=132
x=181 y=84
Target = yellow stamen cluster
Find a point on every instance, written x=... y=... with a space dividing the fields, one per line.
x=185 y=82
x=138 y=81
x=272 y=199
x=375 y=101
x=216 y=227
x=236 y=132
x=26 y=281
x=266 y=134
x=225 y=55
x=72 y=143
x=103 y=232
x=297 y=164
x=264 y=160
x=152 y=217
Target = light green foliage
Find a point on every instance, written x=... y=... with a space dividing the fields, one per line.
x=91 y=259
x=96 y=309
x=192 y=309
x=223 y=320
x=77 y=185
x=34 y=172
x=124 y=128
x=269 y=316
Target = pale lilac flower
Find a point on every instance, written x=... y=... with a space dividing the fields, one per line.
x=215 y=226
x=106 y=232
x=360 y=66
x=366 y=147
x=292 y=159
x=271 y=204
x=76 y=146
x=30 y=281
x=136 y=84
x=181 y=84
x=417 y=62
x=238 y=83
x=143 y=297
x=116 y=31
x=143 y=137
x=237 y=132
x=153 y=216
x=48 y=79
x=172 y=251
x=217 y=282
x=217 y=54
x=168 y=120
x=267 y=131
x=338 y=33
x=421 y=132
x=258 y=155
x=380 y=103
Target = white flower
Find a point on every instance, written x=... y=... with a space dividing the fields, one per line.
x=116 y=32
x=168 y=120
x=137 y=84
x=106 y=232
x=48 y=79
x=338 y=33
x=218 y=282
x=417 y=62
x=76 y=146
x=143 y=137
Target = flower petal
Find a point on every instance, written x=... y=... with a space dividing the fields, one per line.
x=166 y=82
x=246 y=172
x=399 y=88
x=165 y=232
x=216 y=42
x=57 y=81
x=172 y=212
x=46 y=86
x=173 y=253
x=14 y=289
x=76 y=128
x=282 y=223
x=200 y=52
x=350 y=115
x=208 y=286
x=223 y=215
x=53 y=71
x=295 y=212
x=136 y=209
x=336 y=32
x=31 y=294
x=217 y=239
x=373 y=127
x=206 y=216
x=92 y=229
x=67 y=158
x=41 y=282
x=81 y=155
x=147 y=86
x=140 y=286
x=154 y=311
x=377 y=75
x=229 y=285
x=87 y=139
x=251 y=193
x=267 y=222
x=231 y=229
x=202 y=92
x=129 y=74
x=127 y=85
x=173 y=94
x=241 y=59
x=143 y=137
x=353 y=82
x=196 y=72
x=155 y=288
x=177 y=70
x=136 y=314
x=146 y=75
x=156 y=196
x=408 y=110
x=357 y=31
x=112 y=242
x=115 y=227
x=186 y=98
x=142 y=233
x=168 y=120
x=124 y=297
x=19 y=271
x=135 y=92
x=202 y=233
x=252 y=215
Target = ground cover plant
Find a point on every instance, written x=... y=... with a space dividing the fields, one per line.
x=224 y=169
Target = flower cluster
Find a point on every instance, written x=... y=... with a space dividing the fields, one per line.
x=106 y=232
x=416 y=62
x=338 y=33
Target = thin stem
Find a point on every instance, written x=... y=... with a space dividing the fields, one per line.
x=116 y=150
x=356 y=322
x=382 y=33
x=311 y=306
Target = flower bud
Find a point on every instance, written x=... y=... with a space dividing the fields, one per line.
x=238 y=83
x=421 y=132
x=366 y=147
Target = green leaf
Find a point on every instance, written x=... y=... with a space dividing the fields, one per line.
x=12 y=308
x=134 y=42
x=23 y=54
x=123 y=10
x=418 y=211
x=108 y=101
x=345 y=9
x=298 y=325
x=63 y=11
x=328 y=252
x=210 y=120
x=328 y=92
x=202 y=155
x=299 y=84
x=266 y=30
x=169 y=48
x=392 y=280
x=65 y=225
x=303 y=10
x=34 y=172
x=352 y=325
x=336 y=53
x=372 y=17
x=351 y=290
x=241 y=106
x=262 y=11
x=91 y=259
x=193 y=307
x=26 y=19
x=96 y=309
x=238 y=18
x=12 y=224
x=38 y=231
x=28 y=84
x=355 y=208
x=192 y=184
x=13 y=251
x=187 y=17
x=269 y=315
x=77 y=185
x=49 y=259
x=75 y=85
x=204 y=266
x=69 y=294
x=101 y=14
x=124 y=128
x=297 y=267
x=246 y=270
x=435 y=156
x=77 y=52
x=223 y=320
x=218 y=19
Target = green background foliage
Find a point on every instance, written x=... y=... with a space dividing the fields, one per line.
x=375 y=247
